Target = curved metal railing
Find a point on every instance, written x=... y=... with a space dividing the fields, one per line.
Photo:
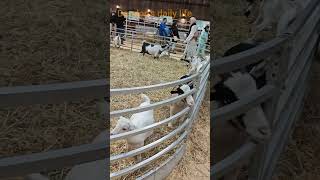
x=44 y=94
x=134 y=37
x=200 y=80
x=289 y=58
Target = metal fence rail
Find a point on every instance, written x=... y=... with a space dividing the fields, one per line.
x=289 y=59
x=48 y=94
x=200 y=80
x=134 y=36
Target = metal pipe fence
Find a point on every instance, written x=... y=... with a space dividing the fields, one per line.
x=190 y=113
x=134 y=36
x=289 y=59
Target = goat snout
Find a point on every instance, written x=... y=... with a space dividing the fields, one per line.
x=190 y=101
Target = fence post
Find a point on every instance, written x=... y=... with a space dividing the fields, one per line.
x=126 y=28
x=131 y=40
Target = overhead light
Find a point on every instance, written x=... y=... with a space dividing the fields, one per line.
x=149 y=10
x=118 y=7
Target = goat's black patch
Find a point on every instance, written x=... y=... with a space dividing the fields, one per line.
x=247 y=13
x=261 y=80
x=224 y=95
x=239 y=48
x=179 y=90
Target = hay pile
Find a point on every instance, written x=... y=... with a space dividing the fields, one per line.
x=44 y=42
x=131 y=69
x=300 y=159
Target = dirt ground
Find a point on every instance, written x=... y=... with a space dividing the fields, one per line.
x=131 y=69
x=196 y=162
x=300 y=159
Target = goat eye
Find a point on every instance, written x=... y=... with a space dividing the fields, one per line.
x=124 y=129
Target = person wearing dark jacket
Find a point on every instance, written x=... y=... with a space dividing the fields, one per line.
x=119 y=21
x=175 y=30
x=175 y=34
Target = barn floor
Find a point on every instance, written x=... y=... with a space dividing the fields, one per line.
x=300 y=160
x=131 y=69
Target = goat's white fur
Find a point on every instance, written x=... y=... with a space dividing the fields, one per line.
x=242 y=84
x=93 y=170
x=136 y=121
x=155 y=50
x=117 y=41
x=281 y=12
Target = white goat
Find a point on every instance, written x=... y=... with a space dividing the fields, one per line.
x=280 y=12
x=197 y=64
x=137 y=121
x=92 y=170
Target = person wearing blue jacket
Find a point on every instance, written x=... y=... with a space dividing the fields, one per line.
x=163 y=30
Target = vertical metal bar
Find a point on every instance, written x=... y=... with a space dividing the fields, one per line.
x=126 y=28
x=131 y=40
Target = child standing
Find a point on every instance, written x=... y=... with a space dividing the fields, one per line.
x=202 y=41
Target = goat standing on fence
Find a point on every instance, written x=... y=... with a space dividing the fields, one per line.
x=229 y=135
x=180 y=105
x=175 y=108
x=231 y=87
x=136 y=121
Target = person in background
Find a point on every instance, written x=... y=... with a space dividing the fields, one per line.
x=174 y=34
x=191 y=41
x=119 y=21
x=202 y=42
x=113 y=23
x=163 y=28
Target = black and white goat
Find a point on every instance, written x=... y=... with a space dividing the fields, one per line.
x=256 y=70
x=229 y=135
x=179 y=106
x=156 y=50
